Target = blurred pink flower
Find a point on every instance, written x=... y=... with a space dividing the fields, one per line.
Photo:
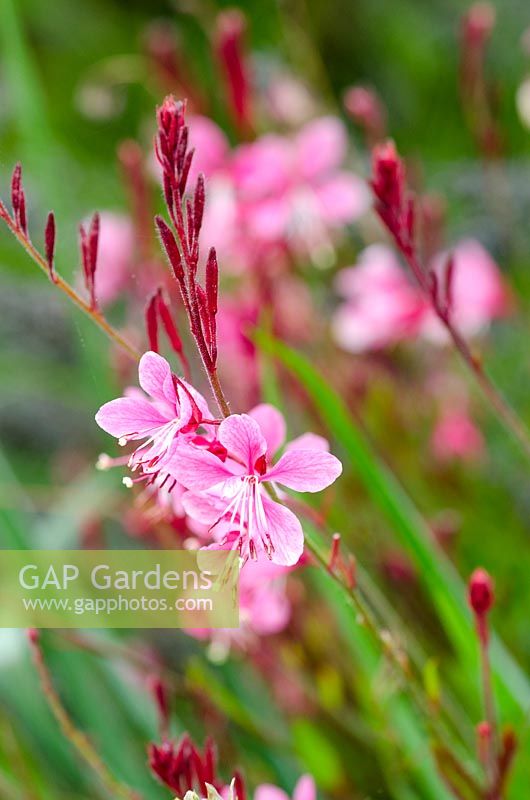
x=233 y=489
x=115 y=256
x=237 y=317
x=264 y=608
x=382 y=306
x=289 y=101
x=305 y=789
x=479 y=293
x=294 y=189
x=210 y=145
x=457 y=437
x=173 y=407
x=274 y=192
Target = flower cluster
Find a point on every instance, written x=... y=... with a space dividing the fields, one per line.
x=383 y=307
x=278 y=194
x=226 y=466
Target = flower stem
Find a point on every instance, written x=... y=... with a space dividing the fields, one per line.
x=217 y=389
x=489 y=715
x=65 y=287
x=78 y=739
x=506 y=413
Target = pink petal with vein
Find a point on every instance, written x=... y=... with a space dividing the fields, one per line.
x=305 y=470
x=308 y=441
x=242 y=437
x=285 y=532
x=197 y=469
x=272 y=426
x=128 y=415
x=305 y=789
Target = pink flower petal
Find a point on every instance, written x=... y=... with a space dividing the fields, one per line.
x=202 y=405
x=272 y=426
x=269 y=792
x=196 y=469
x=305 y=470
x=269 y=611
x=127 y=415
x=305 y=789
x=263 y=167
x=210 y=145
x=285 y=532
x=308 y=441
x=321 y=146
x=115 y=256
x=206 y=507
x=153 y=373
x=243 y=439
x=343 y=198
x=269 y=219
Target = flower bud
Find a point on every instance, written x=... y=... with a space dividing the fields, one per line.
x=365 y=108
x=484 y=736
x=480 y=592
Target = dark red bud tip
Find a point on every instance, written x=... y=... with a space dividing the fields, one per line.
x=484 y=730
x=33 y=635
x=159 y=693
x=479 y=22
x=239 y=787
x=386 y=154
x=484 y=740
x=480 y=592
x=49 y=244
x=388 y=180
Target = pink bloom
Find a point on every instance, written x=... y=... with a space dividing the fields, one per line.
x=289 y=101
x=305 y=789
x=479 y=294
x=294 y=189
x=457 y=437
x=210 y=145
x=264 y=608
x=234 y=489
x=174 y=407
x=115 y=256
x=382 y=306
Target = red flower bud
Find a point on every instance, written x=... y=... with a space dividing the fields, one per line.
x=484 y=735
x=480 y=592
x=478 y=23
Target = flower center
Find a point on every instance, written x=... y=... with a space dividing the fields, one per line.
x=247 y=514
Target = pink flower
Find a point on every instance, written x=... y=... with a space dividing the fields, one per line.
x=294 y=189
x=264 y=608
x=479 y=294
x=305 y=789
x=115 y=256
x=210 y=145
x=457 y=437
x=382 y=306
x=234 y=489
x=174 y=408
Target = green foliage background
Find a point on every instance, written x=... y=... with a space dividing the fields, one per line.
x=55 y=374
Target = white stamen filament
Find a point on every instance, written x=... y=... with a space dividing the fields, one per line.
x=247 y=503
